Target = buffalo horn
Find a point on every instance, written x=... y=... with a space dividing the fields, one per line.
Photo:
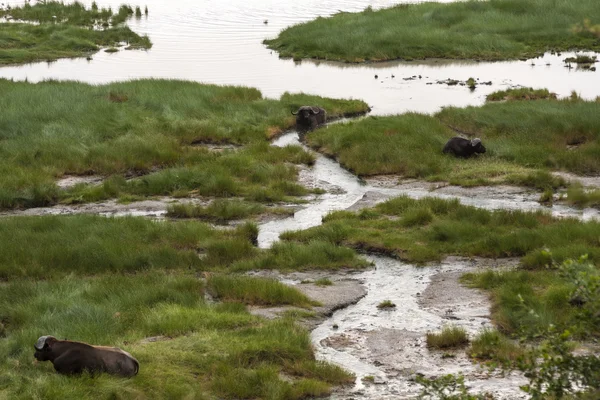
x=41 y=342
x=315 y=108
x=475 y=142
x=294 y=113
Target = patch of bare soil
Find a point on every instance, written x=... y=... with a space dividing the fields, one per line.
x=344 y=291
x=586 y=181
x=68 y=181
x=145 y=208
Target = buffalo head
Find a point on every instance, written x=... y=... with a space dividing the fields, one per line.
x=477 y=146
x=309 y=117
x=43 y=348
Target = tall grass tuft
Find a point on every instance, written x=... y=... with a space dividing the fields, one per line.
x=256 y=291
x=449 y=337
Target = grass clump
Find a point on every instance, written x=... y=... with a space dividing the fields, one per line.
x=386 y=305
x=454 y=229
x=62 y=31
x=149 y=127
x=491 y=345
x=256 y=291
x=491 y=30
x=580 y=197
x=450 y=337
x=204 y=350
x=521 y=94
x=323 y=282
x=524 y=140
x=288 y=256
x=528 y=301
x=218 y=210
x=581 y=59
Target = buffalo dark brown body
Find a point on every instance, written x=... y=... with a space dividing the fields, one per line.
x=75 y=357
x=463 y=147
x=309 y=118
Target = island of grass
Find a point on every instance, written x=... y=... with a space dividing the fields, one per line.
x=50 y=30
x=159 y=129
x=525 y=142
x=480 y=30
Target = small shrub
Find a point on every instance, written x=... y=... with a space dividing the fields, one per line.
x=450 y=337
x=323 y=282
x=492 y=345
x=386 y=305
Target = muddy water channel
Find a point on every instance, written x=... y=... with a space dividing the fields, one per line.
x=220 y=41
x=389 y=346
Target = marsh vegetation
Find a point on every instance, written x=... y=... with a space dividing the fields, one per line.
x=420 y=231
x=480 y=30
x=525 y=140
x=154 y=128
x=49 y=30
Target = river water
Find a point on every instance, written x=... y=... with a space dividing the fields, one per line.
x=220 y=42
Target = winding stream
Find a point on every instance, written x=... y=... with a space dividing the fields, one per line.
x=389 y=345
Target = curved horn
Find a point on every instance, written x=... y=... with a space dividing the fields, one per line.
x=315 y=108
x=295 y=113
x=475 y=142
x=41 y=342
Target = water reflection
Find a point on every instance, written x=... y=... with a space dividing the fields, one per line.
x=220 y=41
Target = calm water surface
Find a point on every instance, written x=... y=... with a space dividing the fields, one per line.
x=220 y=41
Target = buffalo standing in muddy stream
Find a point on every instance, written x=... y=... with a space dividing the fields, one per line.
x=464 y=148
x=309 y=118
x=75 y=357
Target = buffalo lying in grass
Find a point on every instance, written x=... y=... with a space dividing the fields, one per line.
x=464 y=148
x=75 y=357
x=309 y=118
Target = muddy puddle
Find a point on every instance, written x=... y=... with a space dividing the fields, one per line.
x=220 y=42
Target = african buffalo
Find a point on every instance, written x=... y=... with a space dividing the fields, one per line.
x=75 y=357
x=309 y=118
x=463 y=147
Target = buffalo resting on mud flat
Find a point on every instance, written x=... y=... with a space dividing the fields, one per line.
x=75 y=357
x=465 y=148
x=309 y=118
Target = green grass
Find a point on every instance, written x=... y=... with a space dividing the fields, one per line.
x=223 y=210
x=430 y=229
x=313 y=255
x=515 y=293
x=581 y=59
x=524 y=140
x=207 y=351
x=75 y=32
x=481 y=30
x=491 y=345
x=580 y=197
x=521 y=94
x=58 y=246
x=450 y=337
x=323 y=282
x=255 y=291
x=386 y=305
x=149 y=127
